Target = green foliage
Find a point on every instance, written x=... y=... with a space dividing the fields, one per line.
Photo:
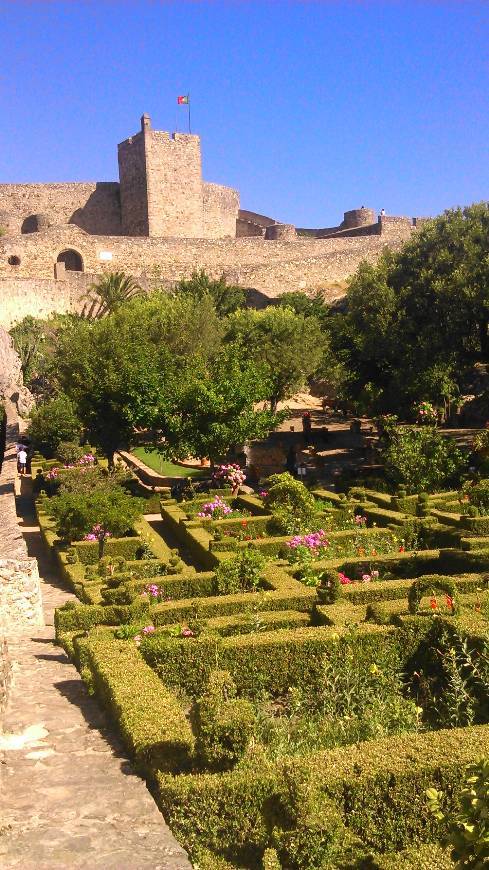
x=468 y=824
x=77 y=513
x=422 y=459
x=241 y=573
x=53 y=422
x=28 y=337
x=108 y=293
x=478 y=495
x=69 y=452
x=293 y=507
x=399 y=340
x=430 y=586
x=271 y=860
x=211 y=407
x=223 y=723
x=289 y=344
x=226 y=298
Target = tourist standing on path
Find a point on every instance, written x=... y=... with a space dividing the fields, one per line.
x=22 y=460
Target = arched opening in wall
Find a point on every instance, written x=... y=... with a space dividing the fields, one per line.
x=14 y=260
x=72 y=260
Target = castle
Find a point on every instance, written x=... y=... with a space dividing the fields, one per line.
x=163 y=217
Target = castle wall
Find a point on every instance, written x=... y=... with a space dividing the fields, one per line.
x=93 y=206
x=272 y=267
x=221 y=205
x=131 y=156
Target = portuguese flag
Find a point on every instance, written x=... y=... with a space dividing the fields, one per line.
x=183 y=100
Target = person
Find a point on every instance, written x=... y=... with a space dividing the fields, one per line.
x=382 y=212
x=306 y=427
x=22 y=460
x=291 y=460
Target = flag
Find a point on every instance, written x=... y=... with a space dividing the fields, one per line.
x=183 y=100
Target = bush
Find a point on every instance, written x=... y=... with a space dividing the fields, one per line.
x=110 y=512
x=429 y=586
x=53 y=422
x=292 y=506
x=223 y=723
x=468 y=825
x=69 y=452
x=242 y=573
x=422 y=459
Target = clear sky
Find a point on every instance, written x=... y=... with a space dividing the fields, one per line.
x=308 y=108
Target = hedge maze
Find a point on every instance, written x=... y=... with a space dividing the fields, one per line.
x=295 y=723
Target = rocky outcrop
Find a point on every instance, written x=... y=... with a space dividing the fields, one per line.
x=11 y=380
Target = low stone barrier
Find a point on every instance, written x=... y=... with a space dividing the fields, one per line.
x=20 y=592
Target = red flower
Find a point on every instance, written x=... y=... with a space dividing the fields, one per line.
x=247 y=538
x=401 y=549
x=449 y=601
x=433 y=603
x=244 y=523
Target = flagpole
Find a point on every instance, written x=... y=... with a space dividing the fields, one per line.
x=188 y=104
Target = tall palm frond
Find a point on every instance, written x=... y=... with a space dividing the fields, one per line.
x=108 y=294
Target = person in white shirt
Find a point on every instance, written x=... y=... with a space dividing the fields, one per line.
x=22 y=460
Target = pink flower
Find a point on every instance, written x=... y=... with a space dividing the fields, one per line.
x=187 y=632
x=374 y=575
x=344 y=580
x=148 y=629
x=366 y=578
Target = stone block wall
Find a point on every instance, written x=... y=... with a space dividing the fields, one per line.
x=221 y=206
x=20 y=591
x=174 y=182
x=5 y=671
x=93 y=206
x=131 y=155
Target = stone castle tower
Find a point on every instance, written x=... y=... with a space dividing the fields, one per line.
x=162 y=191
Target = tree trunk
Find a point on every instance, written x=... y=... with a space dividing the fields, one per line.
x=101 y=544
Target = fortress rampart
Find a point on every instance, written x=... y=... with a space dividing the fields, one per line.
x=163 y=218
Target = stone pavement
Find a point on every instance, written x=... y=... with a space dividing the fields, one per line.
x=68 y=795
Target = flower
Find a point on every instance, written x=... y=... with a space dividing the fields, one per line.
x=98 y=533
x=244 y=523
x=374 y=575
x=187 y=632
x=366 y=578
x=433 y=603
x=148 y=629
x=137 y=640
x=214 y=510
x=402 y=548
x=360 y=520
x=449 y=601
x=344 y=580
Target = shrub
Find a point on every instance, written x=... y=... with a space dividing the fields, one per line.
x=242 y=573
x=292 y=506
x=468 y=824
x=69 y=452
x=223 y=723
x=53 y=422
x=422 y=459
x=110 y=511
x=479 y=496
x=428 y=586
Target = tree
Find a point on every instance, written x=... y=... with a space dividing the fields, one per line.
x=28 y=336
x=109 y=293
x=53 y=422
x=210 y=407
x=113 y=374
x=417 y=319
x=226 y=297
x=289 y=344
x=422 y=459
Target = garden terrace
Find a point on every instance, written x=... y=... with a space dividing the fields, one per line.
x=244 y=757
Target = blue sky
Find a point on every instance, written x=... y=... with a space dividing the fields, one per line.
x=308 y=108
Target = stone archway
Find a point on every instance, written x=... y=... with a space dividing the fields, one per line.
x=72 y=260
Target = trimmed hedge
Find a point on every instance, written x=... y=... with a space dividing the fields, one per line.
x=476 y=525
x=151 y=719
x=378 y=788
x=268 y=661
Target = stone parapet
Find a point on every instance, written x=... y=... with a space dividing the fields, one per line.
x=20 y=591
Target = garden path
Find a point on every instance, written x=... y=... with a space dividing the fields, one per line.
x=69 y=797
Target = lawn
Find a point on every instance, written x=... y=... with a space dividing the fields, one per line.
x=162 y=466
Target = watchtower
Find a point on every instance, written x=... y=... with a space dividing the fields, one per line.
x=161 y=184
